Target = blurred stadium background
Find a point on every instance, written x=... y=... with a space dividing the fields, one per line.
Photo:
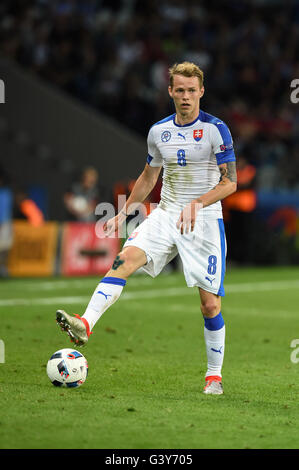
x=84 y=81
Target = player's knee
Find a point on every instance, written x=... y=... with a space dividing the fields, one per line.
x=209 y=307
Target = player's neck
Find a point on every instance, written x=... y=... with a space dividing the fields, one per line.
x=184 y=119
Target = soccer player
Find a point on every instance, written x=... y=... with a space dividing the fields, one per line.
x=196 y=152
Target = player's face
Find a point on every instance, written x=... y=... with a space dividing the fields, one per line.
x=186 y=93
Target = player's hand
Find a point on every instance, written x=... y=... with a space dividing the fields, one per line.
x=187 y=219
x=112 y=225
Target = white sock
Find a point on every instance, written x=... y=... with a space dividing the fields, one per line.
x=214 y=334
x=105 y=294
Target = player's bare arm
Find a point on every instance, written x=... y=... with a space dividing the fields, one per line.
x=229 y=171
x=142 y=188
x=227 y=185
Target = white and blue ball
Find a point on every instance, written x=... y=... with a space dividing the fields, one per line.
x=67 y=368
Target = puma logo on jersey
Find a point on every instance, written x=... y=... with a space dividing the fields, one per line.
x=182 y=135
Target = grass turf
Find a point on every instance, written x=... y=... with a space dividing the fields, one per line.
x=147 y=363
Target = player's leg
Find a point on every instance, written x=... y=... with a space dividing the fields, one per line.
x=106 y=294
x=214 y=335
x=110 y=288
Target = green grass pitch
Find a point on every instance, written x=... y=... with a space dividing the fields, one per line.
x=147 y=362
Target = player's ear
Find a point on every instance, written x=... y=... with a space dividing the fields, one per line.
x=170 y=91
x=202 y=90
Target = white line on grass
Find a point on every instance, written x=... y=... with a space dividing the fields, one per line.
x=151 y=293
x=79 y=283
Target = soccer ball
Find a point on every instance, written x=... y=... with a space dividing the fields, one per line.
x=67 y=368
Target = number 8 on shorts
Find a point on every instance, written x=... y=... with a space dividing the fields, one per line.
x=212 y=266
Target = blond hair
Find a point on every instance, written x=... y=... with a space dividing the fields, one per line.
x=188 y=69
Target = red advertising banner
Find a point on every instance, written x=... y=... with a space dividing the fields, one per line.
x=83 y=253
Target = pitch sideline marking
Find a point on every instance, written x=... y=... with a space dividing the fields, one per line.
x=172 y=291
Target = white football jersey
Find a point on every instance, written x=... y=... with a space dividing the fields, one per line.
x=190 y=156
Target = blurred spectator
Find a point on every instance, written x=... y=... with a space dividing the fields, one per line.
x=238 y=213
x=283 y=226
x=83 y=196
x=244 y=199
x=284 y=218
x=6 y=212
x=26 y=208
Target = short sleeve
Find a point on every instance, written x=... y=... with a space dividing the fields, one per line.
x=154 y=157
x=222 y=143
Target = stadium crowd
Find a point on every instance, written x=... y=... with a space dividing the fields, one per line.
x=115 y=56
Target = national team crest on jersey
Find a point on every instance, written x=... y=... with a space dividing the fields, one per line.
x=197 y=134
x=165 y=136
